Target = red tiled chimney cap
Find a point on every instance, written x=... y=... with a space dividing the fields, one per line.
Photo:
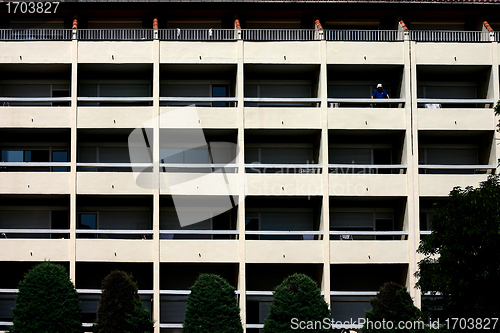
x=403 y=25
x=487 y=25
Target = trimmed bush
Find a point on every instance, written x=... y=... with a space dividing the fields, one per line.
x=120 y=309
x=298 y=296
x=212 y=307
x=47 y=302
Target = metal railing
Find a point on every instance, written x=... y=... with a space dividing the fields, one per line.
x=198 y=234
x=365 y=102
x=438 y=102
x=197 y=34
x=449 y=36
x=36 y=34
x=283 y=168
x=369 y=235
x=466 y=169
x=115 y=34
x=279 y=34
x=365 y=35
x=364 y=168
x=497 y=36
x=199 y=101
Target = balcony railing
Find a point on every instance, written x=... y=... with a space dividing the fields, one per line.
x=115 y=34
x=279 y=34
x=35 y=34
x=449 y=36
x=198 y=101
x=35 y=166
x=112 y=167
x=115 y=234
x=365 y=102
x=115 y=101
x=366 y=168
x=284 y=101
x=197 y=34
x=283 y=168
x=283 y=235
x=454 y=168
x=368 y=235
x=29 y=233
x=365 y=35
x=43 y=101
x=191 y=234
x=449 y=102
x=247 y=34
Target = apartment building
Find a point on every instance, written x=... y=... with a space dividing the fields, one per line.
x=169 y=139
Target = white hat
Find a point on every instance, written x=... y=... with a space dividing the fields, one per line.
x=379 y=85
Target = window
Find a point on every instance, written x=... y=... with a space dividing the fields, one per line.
x=35 y=155
x=280 y=221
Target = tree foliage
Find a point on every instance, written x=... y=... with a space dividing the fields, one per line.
x=120 y=309
x=394 y=304
x=47 y=302
x=212 y=307
x=298 y=296
x=462 y=255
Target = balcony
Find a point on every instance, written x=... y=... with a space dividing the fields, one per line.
x=197 y=218
x=455 y=87
x=198 y=85
x=273 y=219
x=115 y=85
x=366 y=152
x=28 y=86
x=288 y=86
x=351 y=86
x=458 y=152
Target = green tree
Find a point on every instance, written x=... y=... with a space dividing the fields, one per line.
x=212 y=307
x=47 y=302
x=392 y=304
x=120 y=309
x=462 y=254
x=298 y=296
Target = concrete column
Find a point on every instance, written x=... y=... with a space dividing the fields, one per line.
x=73 y=149
x=156 y=188
x=495 y=87
x=413 y=205
x=241 y=180
x=325 y=211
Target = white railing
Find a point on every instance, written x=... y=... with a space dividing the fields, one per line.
x=425 y=232
x=449 y=36
x=5 y=100
x=366 y=102
x=197 y=34
x=497 y=36
x=279 y=34
x=368 y=166
x=293 y=235
x=256 y=168
x=115 y=34
x=114 y=232
x=282 y=100
x=488 y=168
x=194 y=100
x=36 y=34
x=349 y=235
x=194 y=167
x=447 y=101
x=120 y=100
x=169 y=234
x=125 y=167
x=365 y=35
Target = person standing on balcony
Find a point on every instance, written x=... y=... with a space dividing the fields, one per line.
x=380 y=92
